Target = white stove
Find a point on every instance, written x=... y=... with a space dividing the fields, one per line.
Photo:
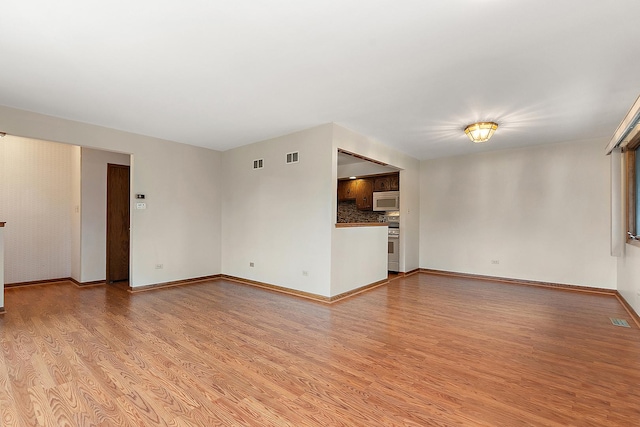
x=394 y=245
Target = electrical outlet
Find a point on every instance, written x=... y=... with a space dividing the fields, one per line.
x=159 y=266
x=495 y=261
x=251 y=264
x=305 y=273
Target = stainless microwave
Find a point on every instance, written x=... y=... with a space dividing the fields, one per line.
x=386 y=201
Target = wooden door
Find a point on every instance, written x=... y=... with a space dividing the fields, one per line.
x=117 y=223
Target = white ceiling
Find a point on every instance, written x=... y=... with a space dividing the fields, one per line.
x=410 y=73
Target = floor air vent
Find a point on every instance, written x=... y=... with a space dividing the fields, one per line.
x=619 y=322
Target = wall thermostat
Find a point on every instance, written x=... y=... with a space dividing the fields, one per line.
x=139 y=196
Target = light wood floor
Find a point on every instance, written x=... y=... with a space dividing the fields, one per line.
x=421 y=351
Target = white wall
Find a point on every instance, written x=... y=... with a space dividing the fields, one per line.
x=1 y=268
x=353 y=142
x=94 y=211
x=542 y=212
x=76 y=219
x=629 y=276
x=181 y=225
x=36 y=201
x=410 y=218
x=363 y=168
x=359 y=257
x=280 y=217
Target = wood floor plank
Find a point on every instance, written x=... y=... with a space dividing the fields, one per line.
x=424 y=350
x=8 y=408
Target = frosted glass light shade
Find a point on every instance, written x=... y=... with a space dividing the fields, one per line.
x=481 y=132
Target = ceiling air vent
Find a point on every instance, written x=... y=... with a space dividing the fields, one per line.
x=292 y=157
x=258 y=164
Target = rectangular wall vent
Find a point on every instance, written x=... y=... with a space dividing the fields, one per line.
x=292 y=157
x=258 y=163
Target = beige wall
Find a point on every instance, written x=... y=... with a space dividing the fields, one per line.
x=353 y=142
x=280 y=217
x=65 y=202
x=542 y=212
x=358 y=257
x=76 y=220
x=364 y=168
x=1 y=268
x=629 y=276
x=181 y=226
x=36 y=201
x=94 y=211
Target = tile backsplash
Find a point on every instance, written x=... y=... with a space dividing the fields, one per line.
x=348 y=212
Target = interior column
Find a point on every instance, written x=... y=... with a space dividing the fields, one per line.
x=2 y=267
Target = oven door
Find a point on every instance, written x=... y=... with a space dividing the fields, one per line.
x=394 y=253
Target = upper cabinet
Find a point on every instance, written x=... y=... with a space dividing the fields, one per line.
x=394 y=182
x=382 y=183
x=390 y=182
x=361 y=190
x=364 y=194
x=347 y=190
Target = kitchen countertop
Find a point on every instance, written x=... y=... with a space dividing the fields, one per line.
x=361 y=224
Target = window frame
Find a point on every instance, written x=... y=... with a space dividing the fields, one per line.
x=633 y=204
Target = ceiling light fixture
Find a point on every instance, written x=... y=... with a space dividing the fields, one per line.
x=2 y=134
x=480 y=132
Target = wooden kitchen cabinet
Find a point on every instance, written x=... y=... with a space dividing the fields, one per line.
x=382 y=183
x=364 y=194
x=389 y=182
x=361 y=190
x=347 y=190
x=394 y=182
